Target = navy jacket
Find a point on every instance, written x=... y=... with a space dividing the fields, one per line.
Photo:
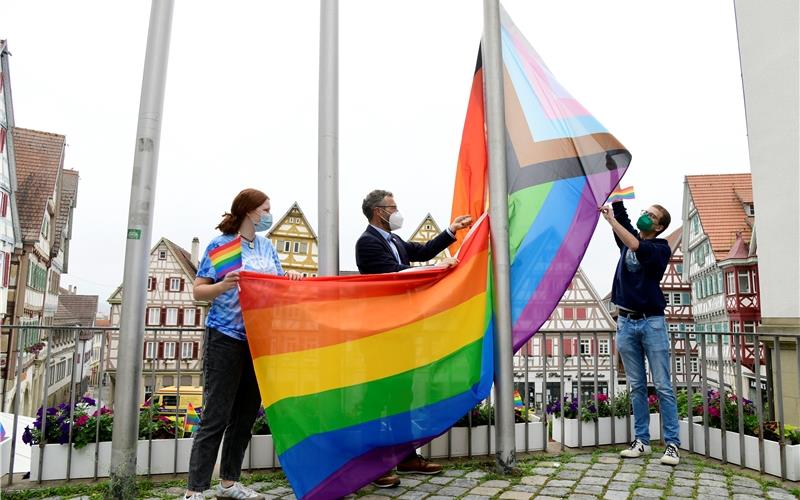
x=375 y=256
x=637 y=281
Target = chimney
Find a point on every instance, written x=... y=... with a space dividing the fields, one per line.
x=195 y=251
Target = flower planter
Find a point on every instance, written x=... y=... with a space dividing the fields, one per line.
x=5 y=455
x=460 y=445
x=162 y=457
x=262 y=453
x=772 y=450
x=604 y=428
x=54 y=464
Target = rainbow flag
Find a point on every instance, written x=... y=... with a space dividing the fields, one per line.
x=620 y=194
x=2 y=432
x=192 y=420
x=518 y=402
x=226 y=258
x=561 y=165
x=356 y=372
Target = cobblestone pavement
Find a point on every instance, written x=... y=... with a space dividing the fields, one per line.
x=581 y=476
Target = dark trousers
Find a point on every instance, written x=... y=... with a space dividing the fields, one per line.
x=230 y=405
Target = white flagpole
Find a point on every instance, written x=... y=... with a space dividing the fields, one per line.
x=328 y=140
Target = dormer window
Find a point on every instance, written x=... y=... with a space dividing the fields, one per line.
x=749 y=209
x=162 y=255
x=46 y=226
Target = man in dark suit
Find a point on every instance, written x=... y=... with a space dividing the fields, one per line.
x=380 y=251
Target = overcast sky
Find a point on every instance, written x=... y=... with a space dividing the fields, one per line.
x=241 y=105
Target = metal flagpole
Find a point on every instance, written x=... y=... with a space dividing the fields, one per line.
x=498 y=213
x=137 y=253
x=328 y=141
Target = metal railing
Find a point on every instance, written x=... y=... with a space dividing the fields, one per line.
x=580 y=365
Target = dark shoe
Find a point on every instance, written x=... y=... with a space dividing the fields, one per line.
x=387 y=481
x=418 y=465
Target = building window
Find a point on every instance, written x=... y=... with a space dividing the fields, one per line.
x=689 y=327
x=151 y=283
x=187 y=350
x=172 y=316
x=586 y=346
x=286 y=246
x=46 y=226
x=678 y=365
x=673 y=327
x=580 y=312
x=169 y=350
x=729 y=281
x=153 y=315
x=695 y=367
x=162 y=255
x=604 y=347
x=150 y=350
x=677 y=299
x=296 y=247
x=174 y=284
x=744 y=282
x=750 y=209
x=190 y=317
x=679 y=267
x=666 y=299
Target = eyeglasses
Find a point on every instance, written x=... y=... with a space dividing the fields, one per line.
x=387 y=206
x=653 y=217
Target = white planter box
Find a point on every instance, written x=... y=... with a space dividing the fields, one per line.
x=772 y=456
x=82 y=461
x=162 y=456
x=5 y=455
x=604 y=428
x=262 y=452
x=481 y=435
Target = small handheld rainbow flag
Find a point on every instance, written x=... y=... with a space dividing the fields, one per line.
x=620 y=194
x=518 y=403
x=227 y=257
x=192 y=421
x=2 y=432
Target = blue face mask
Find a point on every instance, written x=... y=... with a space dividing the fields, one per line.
x=264 y=223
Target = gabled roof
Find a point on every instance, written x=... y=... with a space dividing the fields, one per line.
x=424 y=219
x=739 y=250
x=76 y=310
x=69 y=200
x=674 y=239
x=38 y=158
x=719 y=201
x=281 y=221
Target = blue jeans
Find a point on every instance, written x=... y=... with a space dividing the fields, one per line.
x=637 y=338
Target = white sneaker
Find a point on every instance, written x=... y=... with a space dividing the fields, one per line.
x=671 y=455
x=237 y=490
x=636 y=449
x=194 y=496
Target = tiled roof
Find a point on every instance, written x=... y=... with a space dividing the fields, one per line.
x=69 y=199
x=674 y=239
x=719 y=199
x=76 y=310
x=739 y=250
x=183 y=256
x=38 y=157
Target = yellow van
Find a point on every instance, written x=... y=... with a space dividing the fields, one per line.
x=167 y=398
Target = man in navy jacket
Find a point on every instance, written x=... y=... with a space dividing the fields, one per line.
x=379 y=251
x=641 y=328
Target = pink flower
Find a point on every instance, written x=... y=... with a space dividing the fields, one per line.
x=602 y=398
x=713 y=411
x=81 y=420
x=652 y=399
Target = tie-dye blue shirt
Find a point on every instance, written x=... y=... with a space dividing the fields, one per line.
x=225 y=314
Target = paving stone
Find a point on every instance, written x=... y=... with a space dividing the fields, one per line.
x=579 y=496
x=779 y=493
x=553 y=465
x=672 y=497
x=279 y=491
x=707 y=475
x=533 y=480
x=373 y=497
x=659 y=467
x=545 y=497
x=452 y=491
x=746 y=482
x=627 y=467
x=742 y=490
x=655 y=482
x=258 y=486
x=418 y=477
x=406 y=482
x=428 y=487
x=738 y=496
x=440 y=497
x=413 y=495
x=682 y=481
x=656 y=473
x=684 y=473
x=527 y=488
x=561 y=483
x=598 y=473
x=583 y=458
x=178 y=490
x=588 y=489
x=611 y=467
x=626 y=476
x=553 y=491
x=683 y=466
x=475 y=497
x=464 y=483
x=602 y=481
x=713 y=491
x=454 y=472
x=619 y=486
x=393 y=492
x=569 y=474
x=476 y=474
x=682 y=491
x=544 y=471
x=496 y=483
x=609 y=460
x=483 y=490
x=635 y=461
x=577 y=466
x=716 y=483
x=648 y=493
x=516 y=495
x=616 y=495
x=440 y=480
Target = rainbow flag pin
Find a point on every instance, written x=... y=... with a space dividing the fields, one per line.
x=192 y=421
x=227 y=257
x=518 y=403
x=620 y=194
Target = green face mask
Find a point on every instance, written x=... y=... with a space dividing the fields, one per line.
x=645 y=223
